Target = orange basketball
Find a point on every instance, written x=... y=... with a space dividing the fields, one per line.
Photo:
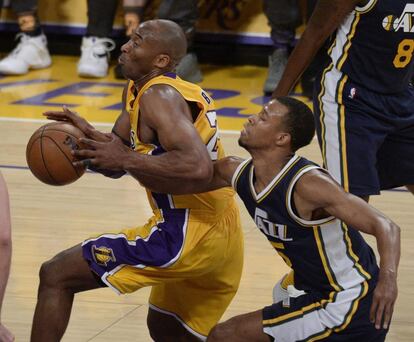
x=48 y=153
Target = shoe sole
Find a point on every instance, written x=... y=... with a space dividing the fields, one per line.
x=32 y=67
x=37 y=67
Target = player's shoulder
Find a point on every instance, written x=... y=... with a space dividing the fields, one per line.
x=316 y=176
x=315 y=184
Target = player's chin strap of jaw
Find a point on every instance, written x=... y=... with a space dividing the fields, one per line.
x=111 y=173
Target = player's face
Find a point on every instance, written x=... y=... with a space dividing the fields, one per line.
x=139 y=53
x=261 y=130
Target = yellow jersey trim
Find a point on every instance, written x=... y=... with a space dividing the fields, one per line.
x=367 y=7
x=342 y=140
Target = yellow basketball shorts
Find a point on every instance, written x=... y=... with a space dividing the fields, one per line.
x=193 y=260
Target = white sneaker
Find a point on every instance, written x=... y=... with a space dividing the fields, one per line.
x=30 y=53
x=95 y=56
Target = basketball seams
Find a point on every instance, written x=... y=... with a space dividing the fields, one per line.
x=70 y=134
x=43 y=159
x=45 y=156
x=63 y=152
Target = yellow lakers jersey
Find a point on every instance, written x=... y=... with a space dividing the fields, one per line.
x=206 y=126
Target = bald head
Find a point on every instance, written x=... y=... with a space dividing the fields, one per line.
x=167 y=37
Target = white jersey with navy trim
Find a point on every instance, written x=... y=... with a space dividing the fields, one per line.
x=325 y=254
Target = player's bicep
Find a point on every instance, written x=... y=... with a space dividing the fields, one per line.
x=168 y=114
x=325 y=193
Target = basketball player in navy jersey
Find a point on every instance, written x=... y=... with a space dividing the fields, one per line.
x=363 y=99
x=304 y=214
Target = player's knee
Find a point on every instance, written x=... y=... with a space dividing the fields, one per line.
x=46 y=274
x=221 y=332
x=50 y=272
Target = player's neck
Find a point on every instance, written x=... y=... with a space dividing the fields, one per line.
x=267 y=166
x=139 y=83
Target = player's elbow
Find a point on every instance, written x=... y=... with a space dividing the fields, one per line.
x=203 y=172
x=395 y=229
x=5 y=238
x=390 y=227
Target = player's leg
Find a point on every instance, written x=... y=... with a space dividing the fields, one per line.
x=31 y=50
x=247 y=327
x=211 y=265
x=350 y=132
x=60 y=278
x=96 y=44
x=396 y=157
x=165 y=327
x=283 y=17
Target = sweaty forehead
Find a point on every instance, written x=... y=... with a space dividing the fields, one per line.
x=274 y=107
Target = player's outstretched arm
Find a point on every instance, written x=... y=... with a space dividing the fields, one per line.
x=326 y=17
x=222 y=175
x=5 y=252
x=319 y=191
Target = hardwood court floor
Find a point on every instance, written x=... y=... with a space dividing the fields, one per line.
x=49 y=219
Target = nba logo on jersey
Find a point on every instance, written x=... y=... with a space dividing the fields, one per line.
x=352 y=93
x=404 y=22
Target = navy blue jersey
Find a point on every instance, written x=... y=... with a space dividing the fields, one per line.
x=324 y=255
x=374 y=45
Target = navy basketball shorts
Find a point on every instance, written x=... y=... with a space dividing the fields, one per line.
x=366 y=138
x=336 y=317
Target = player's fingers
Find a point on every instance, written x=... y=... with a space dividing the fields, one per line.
x=373 y=310
x=55 y=115
x=83 y=154
x=87 y=162
x=67 y=111
x=378 y=315
x=57 y=112
x=84 y=162
x=389 y=308
x=89 y=142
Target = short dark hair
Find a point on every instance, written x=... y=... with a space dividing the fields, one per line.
x=299 y=122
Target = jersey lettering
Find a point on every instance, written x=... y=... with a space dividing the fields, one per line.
x=404 y=53
x=275 y=230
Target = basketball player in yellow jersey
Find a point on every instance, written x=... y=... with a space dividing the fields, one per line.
x=191 y=249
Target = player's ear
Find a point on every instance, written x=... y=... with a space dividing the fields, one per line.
x=162 y=61
x=282 y=139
